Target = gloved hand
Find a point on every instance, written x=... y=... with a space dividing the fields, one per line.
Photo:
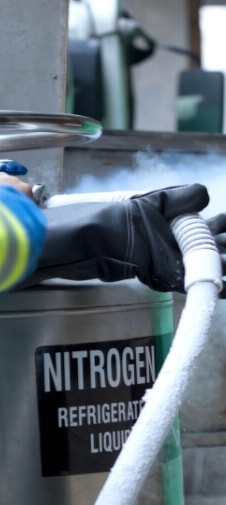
x=120 y=240
x=155 y=249
x=22 y=233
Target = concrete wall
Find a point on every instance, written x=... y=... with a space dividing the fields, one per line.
x=33 y=39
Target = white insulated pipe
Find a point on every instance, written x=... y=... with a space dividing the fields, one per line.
x=203 y=281
x=105 y=196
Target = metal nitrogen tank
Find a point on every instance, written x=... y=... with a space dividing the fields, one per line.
x=75 y=360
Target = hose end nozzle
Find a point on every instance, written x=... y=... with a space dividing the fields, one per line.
x=200 y=254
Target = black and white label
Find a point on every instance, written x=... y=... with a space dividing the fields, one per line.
x=89 y=396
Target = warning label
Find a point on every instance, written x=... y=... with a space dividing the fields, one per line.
x=89 y=396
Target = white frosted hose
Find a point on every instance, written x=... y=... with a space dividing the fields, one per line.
x=105 y=196
x=203 y=282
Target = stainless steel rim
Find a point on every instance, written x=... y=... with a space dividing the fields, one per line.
x=21 y=130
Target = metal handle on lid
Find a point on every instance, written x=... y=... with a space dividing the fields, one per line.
x=21 y=130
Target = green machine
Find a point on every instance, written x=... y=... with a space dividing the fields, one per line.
x=200 y=101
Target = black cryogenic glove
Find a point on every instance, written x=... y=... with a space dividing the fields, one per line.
x=120 y=240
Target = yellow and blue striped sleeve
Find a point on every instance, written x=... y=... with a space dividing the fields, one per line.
x=22 y=234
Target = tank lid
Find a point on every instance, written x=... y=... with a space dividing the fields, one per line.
x=59 y=294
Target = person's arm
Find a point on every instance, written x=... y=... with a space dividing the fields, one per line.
x=122 y=240
x=22 y=233
x=119 y=240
